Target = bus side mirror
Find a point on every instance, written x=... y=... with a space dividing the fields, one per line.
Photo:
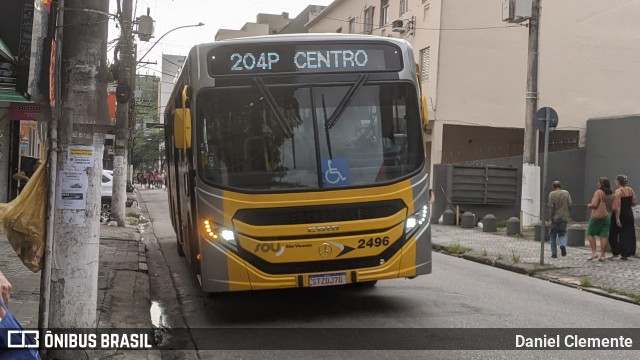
x=424 y=111
x=182 y=124
x=182 y=128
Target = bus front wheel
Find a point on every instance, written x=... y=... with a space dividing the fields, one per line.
x=364 y=284
x=180 y=248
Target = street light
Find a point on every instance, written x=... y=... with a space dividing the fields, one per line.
x=165 y=34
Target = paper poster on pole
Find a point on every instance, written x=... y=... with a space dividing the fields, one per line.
x=81 y=157
x=73 y=190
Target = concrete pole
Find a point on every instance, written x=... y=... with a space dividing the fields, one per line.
x=120 y=160
x=74 y=222
x=530 y=199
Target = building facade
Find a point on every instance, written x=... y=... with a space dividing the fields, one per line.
x=266 y=24
x=171 y=67
x=473 y=67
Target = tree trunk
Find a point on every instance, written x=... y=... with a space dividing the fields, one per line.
x=120 y=160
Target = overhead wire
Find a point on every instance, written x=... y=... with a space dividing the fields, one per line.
x=421 y=28
x=171 y=62
x=162 y=72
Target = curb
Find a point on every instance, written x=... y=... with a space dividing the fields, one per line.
x=596 y=291
x=142 y=249
x=142 y=257
x=483 y=260
x=517 y=269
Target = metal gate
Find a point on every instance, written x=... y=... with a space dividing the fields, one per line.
x=483 y=185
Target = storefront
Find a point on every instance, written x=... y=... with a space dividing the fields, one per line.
x=26 y=27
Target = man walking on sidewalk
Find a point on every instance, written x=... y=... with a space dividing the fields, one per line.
x=560 y=214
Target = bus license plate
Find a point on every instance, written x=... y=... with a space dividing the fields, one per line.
x=327 y=279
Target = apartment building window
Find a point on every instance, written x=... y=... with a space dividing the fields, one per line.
x=404 y=7
x=368 y=20
x=384 y=12
x=427 y=10
x=352 y=25
x=424 y=63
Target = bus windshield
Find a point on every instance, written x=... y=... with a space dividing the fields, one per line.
x=279 y=138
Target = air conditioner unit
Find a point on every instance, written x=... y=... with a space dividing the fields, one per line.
x=398 y=26
x=516 y=11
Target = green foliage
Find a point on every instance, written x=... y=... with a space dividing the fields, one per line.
x=634 y=296
x=458 y=249
x=146 y=149
x=147 y=103
x=515 y=257
x=585 y=282
x=144 y=144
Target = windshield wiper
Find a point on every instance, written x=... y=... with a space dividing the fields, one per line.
x=346 y=100
x=326 y=127
x=288 y=132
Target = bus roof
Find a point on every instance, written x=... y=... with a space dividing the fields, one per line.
x=311 y=37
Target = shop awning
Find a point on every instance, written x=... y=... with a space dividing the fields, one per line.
x=8 y=95
x=7 y=89
x=5 y=53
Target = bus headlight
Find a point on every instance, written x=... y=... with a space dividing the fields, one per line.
x=216 y=232
x=417 y=220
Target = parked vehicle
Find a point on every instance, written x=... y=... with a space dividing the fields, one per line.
x=106 y=193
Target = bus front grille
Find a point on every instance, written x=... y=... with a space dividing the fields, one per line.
x=319 y=214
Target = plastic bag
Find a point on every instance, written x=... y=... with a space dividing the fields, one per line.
x=23 y=220
x=7 y=324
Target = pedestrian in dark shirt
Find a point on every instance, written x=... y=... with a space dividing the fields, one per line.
x=625 y=198
x=560 y=215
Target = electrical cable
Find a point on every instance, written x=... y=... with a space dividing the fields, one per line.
x=423 y=28
x=171 y=62
x=162 y=72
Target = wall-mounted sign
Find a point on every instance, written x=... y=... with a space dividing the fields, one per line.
x=24 y=111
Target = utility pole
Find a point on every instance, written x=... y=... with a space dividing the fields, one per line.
x=71 y=258
x=125 y=91
x=530 y=200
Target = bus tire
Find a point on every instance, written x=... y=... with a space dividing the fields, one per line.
x=215 y=295
x=364 y=284
x=180 y=248
x=193 y=251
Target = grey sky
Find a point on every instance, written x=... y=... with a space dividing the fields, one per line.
x=216 y=14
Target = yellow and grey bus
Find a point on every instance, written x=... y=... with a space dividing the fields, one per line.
x=299 y=161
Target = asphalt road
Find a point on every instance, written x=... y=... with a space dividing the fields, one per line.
x=459 y=294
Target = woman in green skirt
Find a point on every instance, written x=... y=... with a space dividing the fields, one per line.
x=600 y=218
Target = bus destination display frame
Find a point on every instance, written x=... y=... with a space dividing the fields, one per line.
x=304 y=58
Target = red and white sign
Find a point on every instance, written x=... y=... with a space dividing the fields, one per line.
x=24 y=111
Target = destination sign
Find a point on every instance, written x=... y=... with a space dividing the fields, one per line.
x=304 y=58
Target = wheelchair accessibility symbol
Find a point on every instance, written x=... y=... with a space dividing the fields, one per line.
x=335 y=171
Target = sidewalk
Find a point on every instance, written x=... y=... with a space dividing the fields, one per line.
x=123 y=285
x=613 y=278
x=25 y=298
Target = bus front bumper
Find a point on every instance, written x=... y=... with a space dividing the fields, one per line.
x=224 y=271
